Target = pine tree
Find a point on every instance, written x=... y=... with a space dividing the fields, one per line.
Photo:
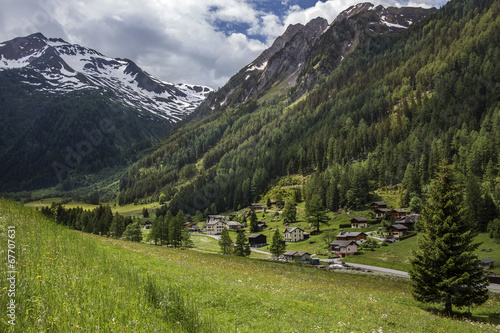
x=254 y=222
x=241 y=247
x=225 y=242
x=278 y=245
x=133 y=232
x=315 y=211
x=186 y=238
x=175 y=227
x=290 y=212
x=445 y=269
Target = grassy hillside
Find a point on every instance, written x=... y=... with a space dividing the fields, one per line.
x=71 y=281
x=397 y=255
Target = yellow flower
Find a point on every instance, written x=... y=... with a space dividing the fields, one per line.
x=4 y=288
x=38 y=277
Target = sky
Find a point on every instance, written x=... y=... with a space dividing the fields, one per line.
x=180 y=41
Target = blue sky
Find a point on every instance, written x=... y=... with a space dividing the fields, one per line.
x=188 y=41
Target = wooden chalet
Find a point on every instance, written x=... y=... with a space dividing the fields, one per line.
x=302 y=256
x=297 y=256
x=192 y=226
x=378 y=204
x=289 y=255
x=399 y=213
x=409 y=221
x=257 y=240
x=359 y=222
x=232 y=225
x=382 y=213
x=343 y=247
x=351 y=236
x=396 y=231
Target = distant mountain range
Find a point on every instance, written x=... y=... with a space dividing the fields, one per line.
x=55 y=66
x=53 y=93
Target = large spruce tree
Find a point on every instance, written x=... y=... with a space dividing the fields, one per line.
x=278 y=245
x=445 y=270
x=241 y=247
x=225 y=242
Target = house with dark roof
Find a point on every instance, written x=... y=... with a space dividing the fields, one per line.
x=257 y=240
x=293 y=234
x=354 y=236
x=289 y=255
x=487 y=263
x=409 y=221
x=343 y=247
x=382 y=213
x=302 y=256
x=396 y=231
x=297 y=256
x=399 y=213
x=378 y=204
x=359 y=222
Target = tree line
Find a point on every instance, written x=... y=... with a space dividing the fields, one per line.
x=387 y=115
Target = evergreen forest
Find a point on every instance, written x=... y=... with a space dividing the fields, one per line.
x=388 y=114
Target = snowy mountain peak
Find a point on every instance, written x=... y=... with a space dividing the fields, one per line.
x=56 y=66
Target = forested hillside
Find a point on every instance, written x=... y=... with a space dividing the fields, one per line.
x=49 y=139
x=387 y=114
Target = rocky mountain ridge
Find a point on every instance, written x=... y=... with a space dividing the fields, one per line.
x=305 y=51
x=55 y=66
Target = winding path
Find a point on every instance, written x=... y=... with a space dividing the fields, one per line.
x=376 y=269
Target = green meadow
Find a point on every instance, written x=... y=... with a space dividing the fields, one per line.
x=397 y=255
x=71 y=281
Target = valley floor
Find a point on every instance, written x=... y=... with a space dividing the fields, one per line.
x=69 y=280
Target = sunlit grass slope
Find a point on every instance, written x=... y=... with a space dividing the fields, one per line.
x=70 y=281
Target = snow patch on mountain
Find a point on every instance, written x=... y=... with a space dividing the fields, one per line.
x=66 y=67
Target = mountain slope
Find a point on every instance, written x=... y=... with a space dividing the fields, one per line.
x=392 y=109
x=55 y=66
x=316 y=48
x=68 y=111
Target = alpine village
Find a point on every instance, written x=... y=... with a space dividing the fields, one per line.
x=346 y=180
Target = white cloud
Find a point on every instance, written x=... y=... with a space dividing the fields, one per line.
x=175 y=40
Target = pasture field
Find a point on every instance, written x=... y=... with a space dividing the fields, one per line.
x=69 y=281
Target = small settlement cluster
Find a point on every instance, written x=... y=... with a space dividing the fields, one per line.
x=346 y=243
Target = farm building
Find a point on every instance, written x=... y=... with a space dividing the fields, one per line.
x=354 y=236
x=343 y=247
x=257 y=240
x=396 y=230
x=359 y=222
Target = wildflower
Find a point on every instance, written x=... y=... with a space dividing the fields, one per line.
x=4 y=288
x=38 y=277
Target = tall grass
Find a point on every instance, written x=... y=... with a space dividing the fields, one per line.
x=71 y=281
